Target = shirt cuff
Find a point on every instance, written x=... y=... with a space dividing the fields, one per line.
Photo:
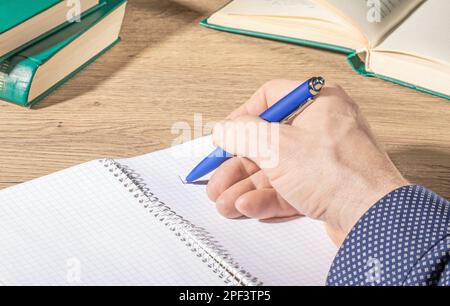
x=388 y=242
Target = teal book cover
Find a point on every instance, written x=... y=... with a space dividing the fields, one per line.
x=14 y=12
x=24 y=22
x=17 y=71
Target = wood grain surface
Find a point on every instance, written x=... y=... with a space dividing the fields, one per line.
x=168 y=67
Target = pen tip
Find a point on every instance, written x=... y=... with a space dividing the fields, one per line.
x=189 y=179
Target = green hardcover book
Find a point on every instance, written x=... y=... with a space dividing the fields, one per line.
x=30 y=75
x=23 y=22
x=399 y=41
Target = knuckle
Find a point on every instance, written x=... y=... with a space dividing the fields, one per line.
x=245 y=207
x=226 y=209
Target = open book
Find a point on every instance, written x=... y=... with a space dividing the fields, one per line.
x=404 y=41
x=133 y=222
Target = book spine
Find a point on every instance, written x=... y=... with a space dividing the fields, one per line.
x=16 y=75
x=197 y=239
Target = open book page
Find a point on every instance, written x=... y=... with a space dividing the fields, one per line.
x=424 y=34
x=82 y=227
x=301 y=19
x=374 y=18
x=417 y=52
x=297 y=252
x=280 y=8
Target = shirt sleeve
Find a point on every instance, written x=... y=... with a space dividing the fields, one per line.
x=404 y=239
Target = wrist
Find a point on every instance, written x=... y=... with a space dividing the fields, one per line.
x=363 y=200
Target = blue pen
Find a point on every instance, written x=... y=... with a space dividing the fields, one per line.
x=284 y=110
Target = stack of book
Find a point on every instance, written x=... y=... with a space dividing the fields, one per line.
x=44 y=43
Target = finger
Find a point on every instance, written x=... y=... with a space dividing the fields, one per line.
x=231 y=172
x=269 y=94
x=253 y=138
x=331 y=100
x=240 y=137
x=226 y=203
x=264 y=204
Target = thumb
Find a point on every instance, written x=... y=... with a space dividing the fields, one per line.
x=249 y=137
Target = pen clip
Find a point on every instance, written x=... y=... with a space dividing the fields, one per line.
x=294 y=115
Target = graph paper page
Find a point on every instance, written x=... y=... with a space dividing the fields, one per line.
x=291 y=253
x=81 y=227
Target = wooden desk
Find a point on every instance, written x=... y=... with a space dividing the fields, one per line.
x=168 y=67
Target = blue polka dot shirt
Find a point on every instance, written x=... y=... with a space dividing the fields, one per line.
x=403 y=240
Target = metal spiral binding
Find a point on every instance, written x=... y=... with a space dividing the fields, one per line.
x=196 y=238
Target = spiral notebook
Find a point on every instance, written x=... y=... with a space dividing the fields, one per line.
x=133 y=222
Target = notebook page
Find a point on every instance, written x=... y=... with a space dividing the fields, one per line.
x=81 y=227
x=291 y=253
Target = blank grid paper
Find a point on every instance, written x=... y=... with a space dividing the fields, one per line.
x=81 y=227
x=290 y=253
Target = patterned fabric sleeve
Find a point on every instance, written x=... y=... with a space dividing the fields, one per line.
x=402 y=240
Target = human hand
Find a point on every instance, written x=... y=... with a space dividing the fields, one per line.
x=329 y=165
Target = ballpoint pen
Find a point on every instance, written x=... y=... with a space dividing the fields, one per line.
x=282 y=111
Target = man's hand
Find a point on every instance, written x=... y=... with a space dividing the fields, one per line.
x=326 y=164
